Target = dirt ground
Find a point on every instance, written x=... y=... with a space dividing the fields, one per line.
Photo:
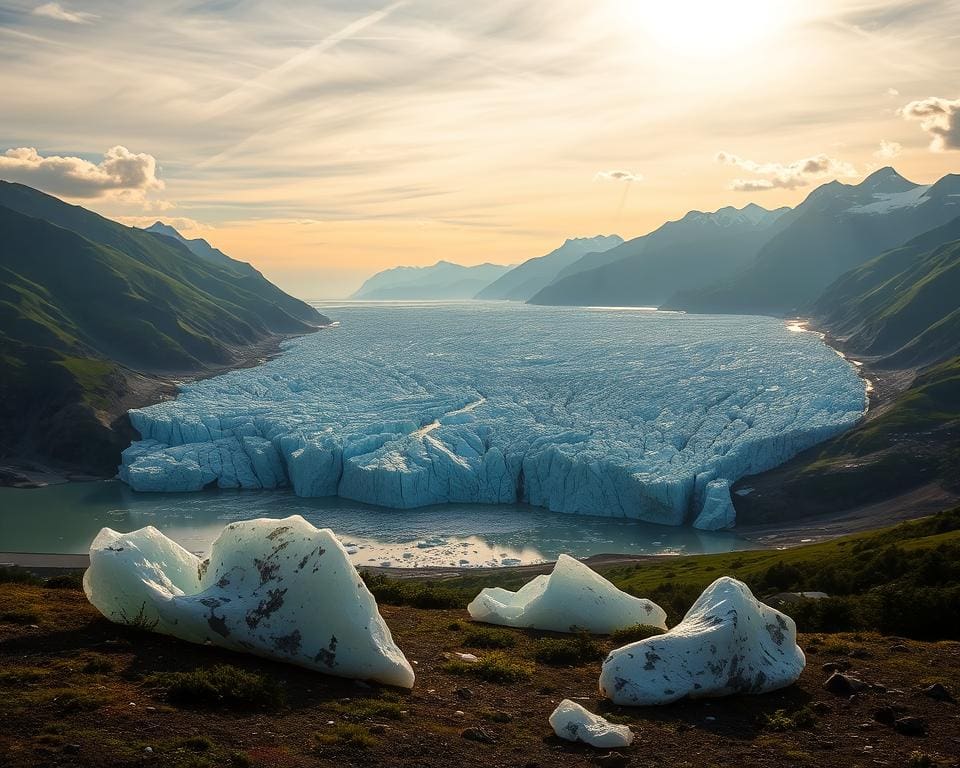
x=75 y=690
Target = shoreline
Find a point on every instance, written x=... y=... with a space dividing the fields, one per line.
x=145 y=388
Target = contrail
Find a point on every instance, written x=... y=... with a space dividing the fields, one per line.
x=265 y=84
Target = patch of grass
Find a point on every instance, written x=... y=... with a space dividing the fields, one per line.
x=241 y=760
x=196 y=743
x=567 y=652
x=486 y=637
x=418 y=594
x=18 y=576
x=348 y=735
x=494 y=668
x=97 y=665
x=920 y=759
x=635 y=633
x=71 y=580
x=20 y=616
x=140 y=620
x=781 y=720
x=389 y=707
x=835 y=647
x=69 y=700
x=217 y=686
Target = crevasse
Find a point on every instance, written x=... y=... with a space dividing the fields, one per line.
x=636 y=414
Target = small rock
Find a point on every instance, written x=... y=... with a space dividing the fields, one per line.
x=899 y=648
x=866 y=726
x=464 y=693
x=476 y=733
x=938 y=692
x=148 y=750
x=879 y=688
x=459 y=713
x=911 y=726
x=501 y=717
x=859 y=653
x=836 y=666
x=843 y=685
x=885 y=715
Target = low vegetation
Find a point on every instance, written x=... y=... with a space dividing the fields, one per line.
x=496 y=667
x=567 y=651
x=219 y=686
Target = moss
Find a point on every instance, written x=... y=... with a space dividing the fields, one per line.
x=634 y=633
x=495 y=667
x=389 y=707
x=486 y=637
x=567 y=652
x=348 y=735
x=221 y=685
x=781 y=720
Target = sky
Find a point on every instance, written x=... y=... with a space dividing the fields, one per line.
x=329 y=139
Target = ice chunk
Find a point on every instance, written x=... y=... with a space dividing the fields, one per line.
x=729 y=642
x=619 y=414
x=276 y=588
x=572 y=722
x=572 y=598
x=718 y=511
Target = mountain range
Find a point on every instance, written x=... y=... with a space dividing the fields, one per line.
x=443 y=280
x=95 y=315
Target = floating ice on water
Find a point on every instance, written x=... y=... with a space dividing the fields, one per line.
x=642 y=415
x=573 y=597
x=572 y=722
x=729 y=642
x=276 y=588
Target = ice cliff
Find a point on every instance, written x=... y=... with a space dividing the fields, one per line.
x=643 y=415
x=276 y=588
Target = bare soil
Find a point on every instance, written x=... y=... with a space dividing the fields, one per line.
x=75 y=691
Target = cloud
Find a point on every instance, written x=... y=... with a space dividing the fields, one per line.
x=800 y=173
x=892 y=92
x=618 y=176
x=938 y=117
x=184 y=225
x=58 y=12
x=888 y=150
x=121 y=173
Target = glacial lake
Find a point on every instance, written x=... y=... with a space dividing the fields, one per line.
x=616 y=414
x=63 y=519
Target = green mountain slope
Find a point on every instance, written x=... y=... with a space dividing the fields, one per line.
x=904 y=305
x=94 y=317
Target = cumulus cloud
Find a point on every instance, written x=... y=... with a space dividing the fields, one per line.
x=618 y=176
x=888 y=150
x=938 y=117
x=121 y=173
x=58 y=12
x=800 y=173
x=892 y=92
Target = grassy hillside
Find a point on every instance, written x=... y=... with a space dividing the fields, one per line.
x=903 y=305
x=902 y=580
x=90 y=309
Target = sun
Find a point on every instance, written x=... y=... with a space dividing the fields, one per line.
x=707 y=27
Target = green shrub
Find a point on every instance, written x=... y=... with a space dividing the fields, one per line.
x=567 y=652
x=346 y=734
x=634 y=633
x=781 y=720
x=219 y=685
x=485 y=637
x=495 y=668
x=418 y=594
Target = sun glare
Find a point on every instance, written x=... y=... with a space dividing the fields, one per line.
x=707 y=27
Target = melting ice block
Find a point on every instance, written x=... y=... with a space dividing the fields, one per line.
x=572 y=722
x=573 y=597
x=276 y=588
x=729 y=642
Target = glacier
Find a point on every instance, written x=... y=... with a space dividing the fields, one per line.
x=647 y=415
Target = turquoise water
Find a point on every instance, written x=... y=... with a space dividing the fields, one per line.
x=65 y=518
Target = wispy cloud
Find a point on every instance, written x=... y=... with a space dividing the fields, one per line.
x=120 y=173
x=940 y=118
x=58 y=12
x=618 y=176
x=888 y=150
x=799 y=173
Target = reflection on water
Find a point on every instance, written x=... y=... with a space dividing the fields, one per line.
x=65 y=518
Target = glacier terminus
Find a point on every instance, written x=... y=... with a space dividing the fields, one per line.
x=640 y=414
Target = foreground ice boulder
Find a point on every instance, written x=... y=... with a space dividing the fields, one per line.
x=572 y=597
x=276 y=588
x=572 y=722
x=729 y=642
